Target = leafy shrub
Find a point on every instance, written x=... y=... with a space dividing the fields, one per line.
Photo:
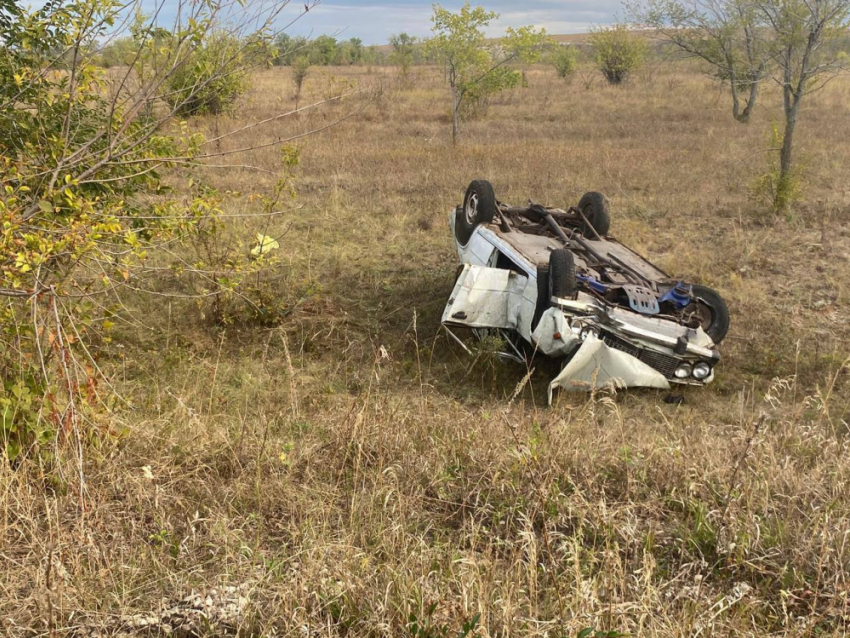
x=618 y=52
x=213 y=78
x=404 y=53
x=776 y=190
x=460 y=46
x=477 y=97
x=300 y=67
x=119 y=52
x=83 y=202
x=565 y=60
x=322 y=51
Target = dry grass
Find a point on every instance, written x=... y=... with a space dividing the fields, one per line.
x=349 y=467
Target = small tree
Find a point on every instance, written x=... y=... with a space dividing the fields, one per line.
x=355 y=50
x=300 y=67
x=210 y=81
x=324 y=51
x=289 y=48
x=618 y=52
x=403 y=53
x=118 y=52
x=459 y=45
x=565 y=60
x=728 y=35
x=526 y=46
x=799 y=29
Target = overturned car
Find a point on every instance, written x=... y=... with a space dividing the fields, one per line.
x=553 y=281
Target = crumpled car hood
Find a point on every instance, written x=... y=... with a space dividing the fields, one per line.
x=594 y=364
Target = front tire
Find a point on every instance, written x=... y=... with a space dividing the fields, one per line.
x=712 y=312
x=479 y=207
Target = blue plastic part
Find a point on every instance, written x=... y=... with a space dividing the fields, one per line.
x=593 y=284
x=679 y=295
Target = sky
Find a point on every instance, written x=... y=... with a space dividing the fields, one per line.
x=374 y=21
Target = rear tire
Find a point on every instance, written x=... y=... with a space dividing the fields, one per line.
x=597 y=209
x=562 y=274
x=479 y=207
x=713 y=312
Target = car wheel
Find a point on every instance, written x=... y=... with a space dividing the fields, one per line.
x=562 y=274
x=711 y=312
x=597 y=209
x=479 y=207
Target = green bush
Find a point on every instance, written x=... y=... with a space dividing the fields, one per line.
x=213 y=79
x=299 y=68
x=565 y=60
x=118 y=52
x=478 y=94
x=83 y=202
x=774 y=189
x=404 y=53
x=618 y=52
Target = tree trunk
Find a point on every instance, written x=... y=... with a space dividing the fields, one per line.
x=740 y=116
x=784 y=189
x=785 y=159
x=791 y=99
x=743 y=116
x=751 y=100
x=455 y=114
x=733 y=86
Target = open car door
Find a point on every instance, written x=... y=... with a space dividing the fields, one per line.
x=488 y=298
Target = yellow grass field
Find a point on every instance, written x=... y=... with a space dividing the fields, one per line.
x=348 y=470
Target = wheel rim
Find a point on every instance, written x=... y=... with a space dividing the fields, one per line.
x=703 y=314
x=470 y=211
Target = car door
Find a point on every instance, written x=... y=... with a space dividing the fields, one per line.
x=487 y=298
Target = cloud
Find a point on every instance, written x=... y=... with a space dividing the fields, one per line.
x=374 y=22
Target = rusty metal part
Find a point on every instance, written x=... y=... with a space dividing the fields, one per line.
x=504 y=225
x=644 y=281
x=588 y=224
x=549 y=218
x=559 y=232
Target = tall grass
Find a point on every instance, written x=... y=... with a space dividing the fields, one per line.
x=349 y=470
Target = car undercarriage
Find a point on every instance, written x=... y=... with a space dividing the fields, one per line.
x=554 y=281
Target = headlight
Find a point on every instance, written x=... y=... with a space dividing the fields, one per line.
x=683 y=371
x=701 y=370
x=587 y=331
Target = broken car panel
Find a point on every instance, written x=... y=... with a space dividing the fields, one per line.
x=554 y=281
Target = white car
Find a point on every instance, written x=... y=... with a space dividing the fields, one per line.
x=553 y=281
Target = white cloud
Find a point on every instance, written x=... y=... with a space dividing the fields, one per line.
x=374 y=23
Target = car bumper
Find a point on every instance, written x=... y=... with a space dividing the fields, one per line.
x=610 y=351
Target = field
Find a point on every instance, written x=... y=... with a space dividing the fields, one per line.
x=347 y=470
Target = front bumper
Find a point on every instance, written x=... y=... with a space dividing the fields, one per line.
x=603 y=349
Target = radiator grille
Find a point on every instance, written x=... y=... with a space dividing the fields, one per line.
x=665 y=364
x=615 y=342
